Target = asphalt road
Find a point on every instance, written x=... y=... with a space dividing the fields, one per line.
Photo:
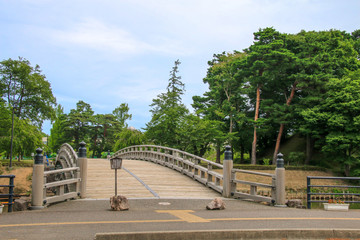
x=83 y=219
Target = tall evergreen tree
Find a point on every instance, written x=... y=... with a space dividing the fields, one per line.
x=167 y=112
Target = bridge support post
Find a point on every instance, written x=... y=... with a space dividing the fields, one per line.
x=83 y=165
x=227 y=168
x=37 y=196
x=280 y=195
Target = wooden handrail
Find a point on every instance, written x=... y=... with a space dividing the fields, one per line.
x=61 y=170
x=255 y=173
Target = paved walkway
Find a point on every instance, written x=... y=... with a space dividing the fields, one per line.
x=141 y=179
x=179 y=218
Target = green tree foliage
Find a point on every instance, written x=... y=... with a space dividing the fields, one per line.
x=197 y=134
x=226 y=101
x=28 y=96
x=122 y=115
x=276 y=81
x=98 y=131
x=339 y=114
x=5 y=128
x=167 y=113
x=27 y=136
x=57 y=132
x=25 y=89
x=322 y=56
x=267 y=70
x=101 y=133
x=128 y=137
x=78 y=123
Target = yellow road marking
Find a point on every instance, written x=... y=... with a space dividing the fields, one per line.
x=287 y=219
x=184 y=215
x=79 y=223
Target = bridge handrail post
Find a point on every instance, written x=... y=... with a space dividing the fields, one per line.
x=280 y=195
x=37 y=197
x=83 y=165
x=227 y=168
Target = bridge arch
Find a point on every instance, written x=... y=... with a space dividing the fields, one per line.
x=66 y=157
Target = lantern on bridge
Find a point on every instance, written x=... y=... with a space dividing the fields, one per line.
x=116 y=163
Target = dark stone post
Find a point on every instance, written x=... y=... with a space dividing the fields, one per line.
x=83 y=165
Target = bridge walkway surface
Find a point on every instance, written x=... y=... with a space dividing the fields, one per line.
x=141 y=179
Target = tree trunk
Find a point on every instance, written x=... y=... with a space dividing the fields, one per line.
x=310 y=142
x=12 y=137
x=347 y=170
x=253 y=149
x=218 y=153
x=278 y=140
x=277 y=146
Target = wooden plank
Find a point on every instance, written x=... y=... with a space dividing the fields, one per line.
x=253 y=197
x=215 y=174
x=253 y=183
x=255 y=173
x=217 y=188
x=61 y=197
x=166 y=182
x=62 y=182
x=200 y=179
x=61 y=170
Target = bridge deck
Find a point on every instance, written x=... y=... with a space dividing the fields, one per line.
x=157 y=181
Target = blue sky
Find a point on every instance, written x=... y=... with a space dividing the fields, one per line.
x=110 y=52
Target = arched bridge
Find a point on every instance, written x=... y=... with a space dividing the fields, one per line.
x=93 y=178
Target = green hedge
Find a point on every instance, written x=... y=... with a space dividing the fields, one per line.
x=16 y=163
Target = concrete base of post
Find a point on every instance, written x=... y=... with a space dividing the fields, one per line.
x=36 y=207
x=37 y=196
x=83 y=165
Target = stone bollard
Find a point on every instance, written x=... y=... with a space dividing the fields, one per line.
x=37 y=196
x=227 y=168
x=280 y=182
x=83 y=165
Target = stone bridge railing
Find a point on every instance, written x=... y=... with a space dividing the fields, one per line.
x=203 y=171
x=67 y=181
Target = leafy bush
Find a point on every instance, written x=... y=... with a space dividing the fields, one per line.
x=104 y=154
x=266 y=161
x=296 y=158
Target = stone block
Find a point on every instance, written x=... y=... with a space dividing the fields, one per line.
x=216 y=204
x=294 y=203
x=21 y=204
x=119 y=203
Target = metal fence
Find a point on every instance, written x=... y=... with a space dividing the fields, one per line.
x=330 y=194
x=10 y=196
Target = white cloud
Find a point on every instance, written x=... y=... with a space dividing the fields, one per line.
x=97 y=35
